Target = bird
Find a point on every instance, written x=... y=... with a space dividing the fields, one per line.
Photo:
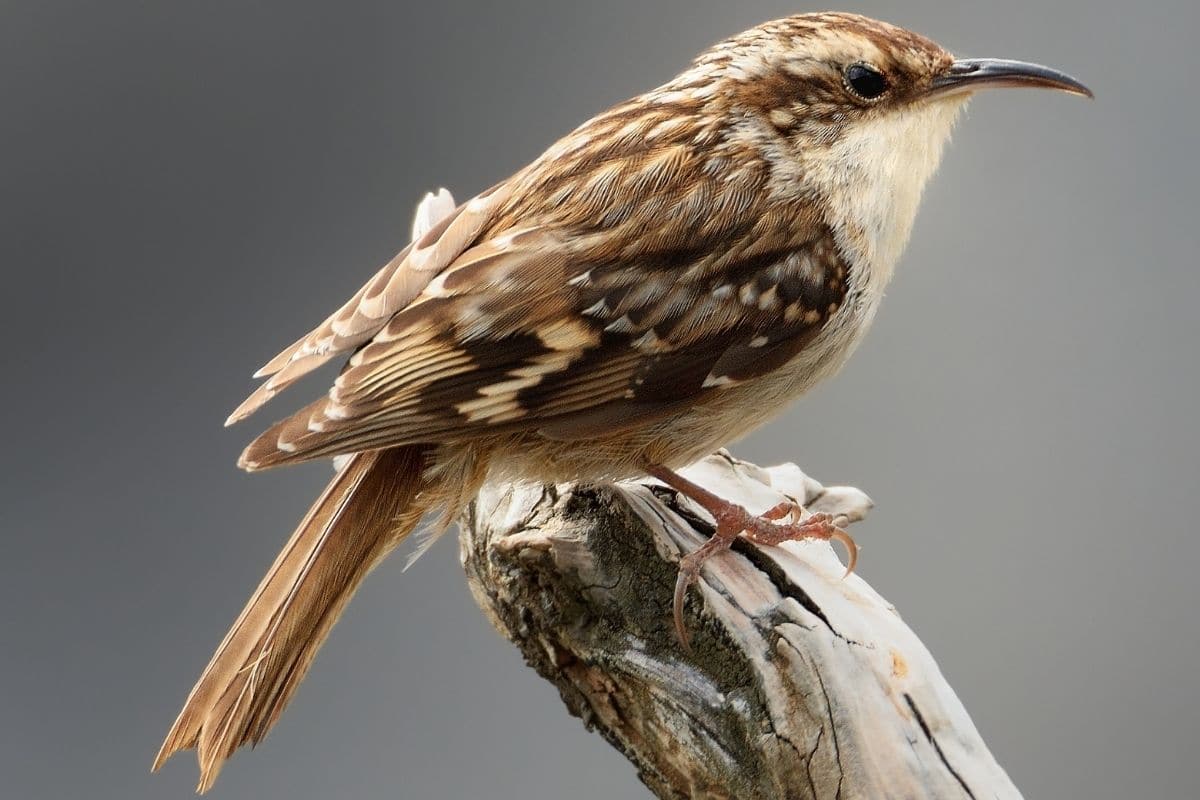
x=660 y=282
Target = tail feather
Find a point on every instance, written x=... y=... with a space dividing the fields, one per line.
x=368 y=508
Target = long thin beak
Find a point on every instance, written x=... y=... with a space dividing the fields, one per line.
x=971 y=74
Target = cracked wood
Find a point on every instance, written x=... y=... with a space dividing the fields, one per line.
x=800 y=684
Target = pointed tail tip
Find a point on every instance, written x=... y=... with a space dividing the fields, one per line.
x=207 y=779
x=209 y=768
x=168 y=748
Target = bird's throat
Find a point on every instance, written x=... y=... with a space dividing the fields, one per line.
x=873 y=177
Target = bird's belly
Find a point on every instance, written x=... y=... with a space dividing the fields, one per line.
x=742 y=409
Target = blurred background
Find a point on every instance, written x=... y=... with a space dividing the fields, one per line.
x=185 y=188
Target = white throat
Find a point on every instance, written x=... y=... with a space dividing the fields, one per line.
x=872 y=179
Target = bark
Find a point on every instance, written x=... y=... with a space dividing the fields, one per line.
x=800 y=683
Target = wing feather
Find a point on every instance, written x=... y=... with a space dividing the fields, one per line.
x=522 y=344
x=397 y=284
x=599 y=288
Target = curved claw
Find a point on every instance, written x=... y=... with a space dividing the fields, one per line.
x=839 y=535
x=733 y=520
x=786 y=510
x=689 y=573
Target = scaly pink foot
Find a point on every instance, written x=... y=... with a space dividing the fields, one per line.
x=775 y=526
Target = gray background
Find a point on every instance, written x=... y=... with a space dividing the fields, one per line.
x=185 y=188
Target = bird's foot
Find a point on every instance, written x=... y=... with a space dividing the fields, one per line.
x=782 y=523
x=767 y=530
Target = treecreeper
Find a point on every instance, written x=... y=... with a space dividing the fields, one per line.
x=659 y=283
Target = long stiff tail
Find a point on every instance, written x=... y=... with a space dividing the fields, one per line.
x=368 y=508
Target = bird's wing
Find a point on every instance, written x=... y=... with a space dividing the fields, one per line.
x=392 y=288
x=642 y=261
x=564 y=331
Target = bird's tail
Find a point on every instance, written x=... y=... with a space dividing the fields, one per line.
x=372 y=504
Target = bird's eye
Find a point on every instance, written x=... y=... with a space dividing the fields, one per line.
x=866 y=81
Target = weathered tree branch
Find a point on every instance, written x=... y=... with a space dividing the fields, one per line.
x=800 y=684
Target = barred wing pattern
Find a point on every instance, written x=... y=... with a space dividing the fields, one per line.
x=392 y=288
x=521 y=335
x=596 y=289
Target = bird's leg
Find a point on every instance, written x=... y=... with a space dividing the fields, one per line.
x=733 y=520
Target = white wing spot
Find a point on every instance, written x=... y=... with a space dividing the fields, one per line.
x=622 y=325
x=648 y=341
x=598 y=309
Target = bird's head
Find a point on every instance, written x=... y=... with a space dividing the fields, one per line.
x=823 y=72
x=850 y=111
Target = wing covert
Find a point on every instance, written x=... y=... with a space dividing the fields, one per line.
x=637 y=265
x=524 y=332
x=395 y=285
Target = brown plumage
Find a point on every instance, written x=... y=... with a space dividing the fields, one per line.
x=657 y=284
x=356 y=521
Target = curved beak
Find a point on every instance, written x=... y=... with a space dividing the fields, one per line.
x=971 y=74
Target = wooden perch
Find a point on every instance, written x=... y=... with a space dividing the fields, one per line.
x=800 y=684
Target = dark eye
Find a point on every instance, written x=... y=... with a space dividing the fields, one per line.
x=866 y=81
